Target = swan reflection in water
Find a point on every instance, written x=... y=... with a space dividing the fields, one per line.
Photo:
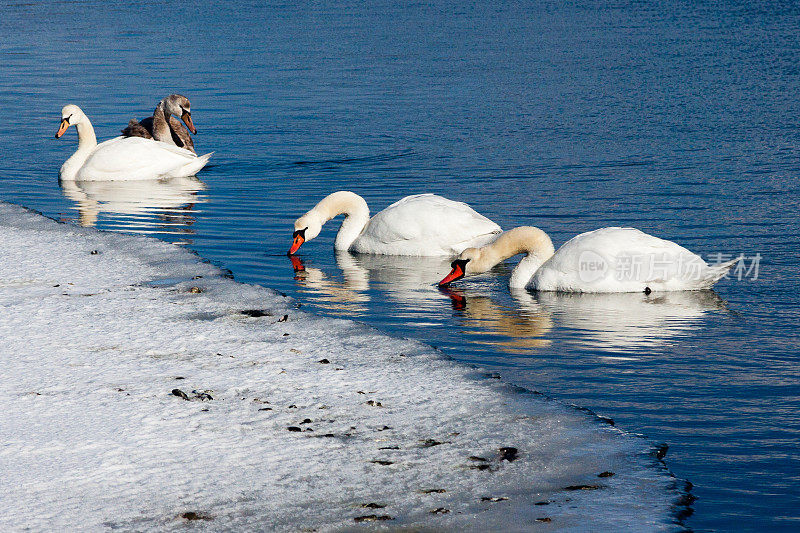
x=407 y=281
x=164 y=206
x=522 y=322
x=410 y=284
x=518 y=326
x=348 y=295
x=628 y=322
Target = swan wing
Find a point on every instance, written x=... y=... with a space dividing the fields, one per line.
x=621 y=260
x=426 y=225
x=136 y=128
x=135 y=158
x=144 y=128
x=180 y=135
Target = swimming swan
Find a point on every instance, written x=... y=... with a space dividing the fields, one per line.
x=603 y=260
x=164 y=127
x=122 y=158
x=419 y=225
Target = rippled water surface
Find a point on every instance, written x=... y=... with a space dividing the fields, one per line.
x=681 y=119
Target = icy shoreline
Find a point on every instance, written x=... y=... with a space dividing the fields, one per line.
x=306 y=423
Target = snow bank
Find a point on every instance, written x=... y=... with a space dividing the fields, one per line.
x=144 y=390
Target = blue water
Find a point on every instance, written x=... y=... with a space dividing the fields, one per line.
x=681 y=119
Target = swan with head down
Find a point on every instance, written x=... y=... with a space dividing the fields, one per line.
x=163 y=126
x=604 y=260
x=419 y=225
x=122 y=158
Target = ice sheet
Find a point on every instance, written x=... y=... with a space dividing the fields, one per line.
x=97 y=329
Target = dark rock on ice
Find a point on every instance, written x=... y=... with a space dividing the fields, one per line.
x=582 y=487
x=372 y=505
x=180 y=394
x=508 y=453
x=372 y=518
x=195 y=515
x=203 y=396
x=256 y=313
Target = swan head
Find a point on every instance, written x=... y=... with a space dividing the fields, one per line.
x=70 y=116
x=306 y=228
x=179 y=105
x=467 y=263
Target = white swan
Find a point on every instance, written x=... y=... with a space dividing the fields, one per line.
x=419 y=225
x=122 y=158
x=604 y=260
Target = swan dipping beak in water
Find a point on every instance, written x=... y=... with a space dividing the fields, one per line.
x=422 y=225
x=591 y=262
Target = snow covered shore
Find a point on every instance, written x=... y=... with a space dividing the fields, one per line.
x=144 y=390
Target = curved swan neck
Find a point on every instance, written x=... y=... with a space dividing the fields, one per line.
x=532 y=242
x=87 y=140
x=161 y=131
x=356 y=213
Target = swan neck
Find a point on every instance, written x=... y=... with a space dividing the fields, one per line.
x=538 y=248
x=532 y=242
x=525 y=269
x=87 y=140
x=356 y=213
x=161 y=131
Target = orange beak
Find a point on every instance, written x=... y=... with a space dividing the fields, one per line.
x=455 y=274
x=62 y=128
x=297 y=243
x=187 y=119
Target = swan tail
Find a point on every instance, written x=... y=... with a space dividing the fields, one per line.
x=195 y=166
x=714 y=273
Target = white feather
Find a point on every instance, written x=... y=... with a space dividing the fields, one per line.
x=124 y=158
